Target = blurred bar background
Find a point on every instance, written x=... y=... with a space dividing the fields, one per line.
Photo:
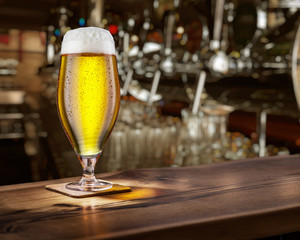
x=202 y=82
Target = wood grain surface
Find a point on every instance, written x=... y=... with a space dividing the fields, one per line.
x=245 y=199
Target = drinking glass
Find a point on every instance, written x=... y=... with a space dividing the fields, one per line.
x=215 y=123
x=88 y=98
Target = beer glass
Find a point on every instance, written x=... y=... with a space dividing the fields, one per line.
x=88 y=98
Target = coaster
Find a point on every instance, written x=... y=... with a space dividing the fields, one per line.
x=60 y=188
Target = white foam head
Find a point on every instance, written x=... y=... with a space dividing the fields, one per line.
x=88 y=40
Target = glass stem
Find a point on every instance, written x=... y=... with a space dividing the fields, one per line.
x=88 y=165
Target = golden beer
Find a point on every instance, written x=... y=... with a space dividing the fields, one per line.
x=88 y=99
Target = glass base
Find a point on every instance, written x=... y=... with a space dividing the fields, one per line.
x=95 y=186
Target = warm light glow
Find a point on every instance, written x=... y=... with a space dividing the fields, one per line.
x=140 y=193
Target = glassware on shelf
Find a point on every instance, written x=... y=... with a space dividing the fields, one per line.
x=148 y=139
x=215 y=122
x=192 y=148
x=203 y=135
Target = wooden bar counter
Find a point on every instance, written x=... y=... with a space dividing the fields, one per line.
x=245 y=199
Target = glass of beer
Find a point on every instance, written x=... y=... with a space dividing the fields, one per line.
x=88 y=98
